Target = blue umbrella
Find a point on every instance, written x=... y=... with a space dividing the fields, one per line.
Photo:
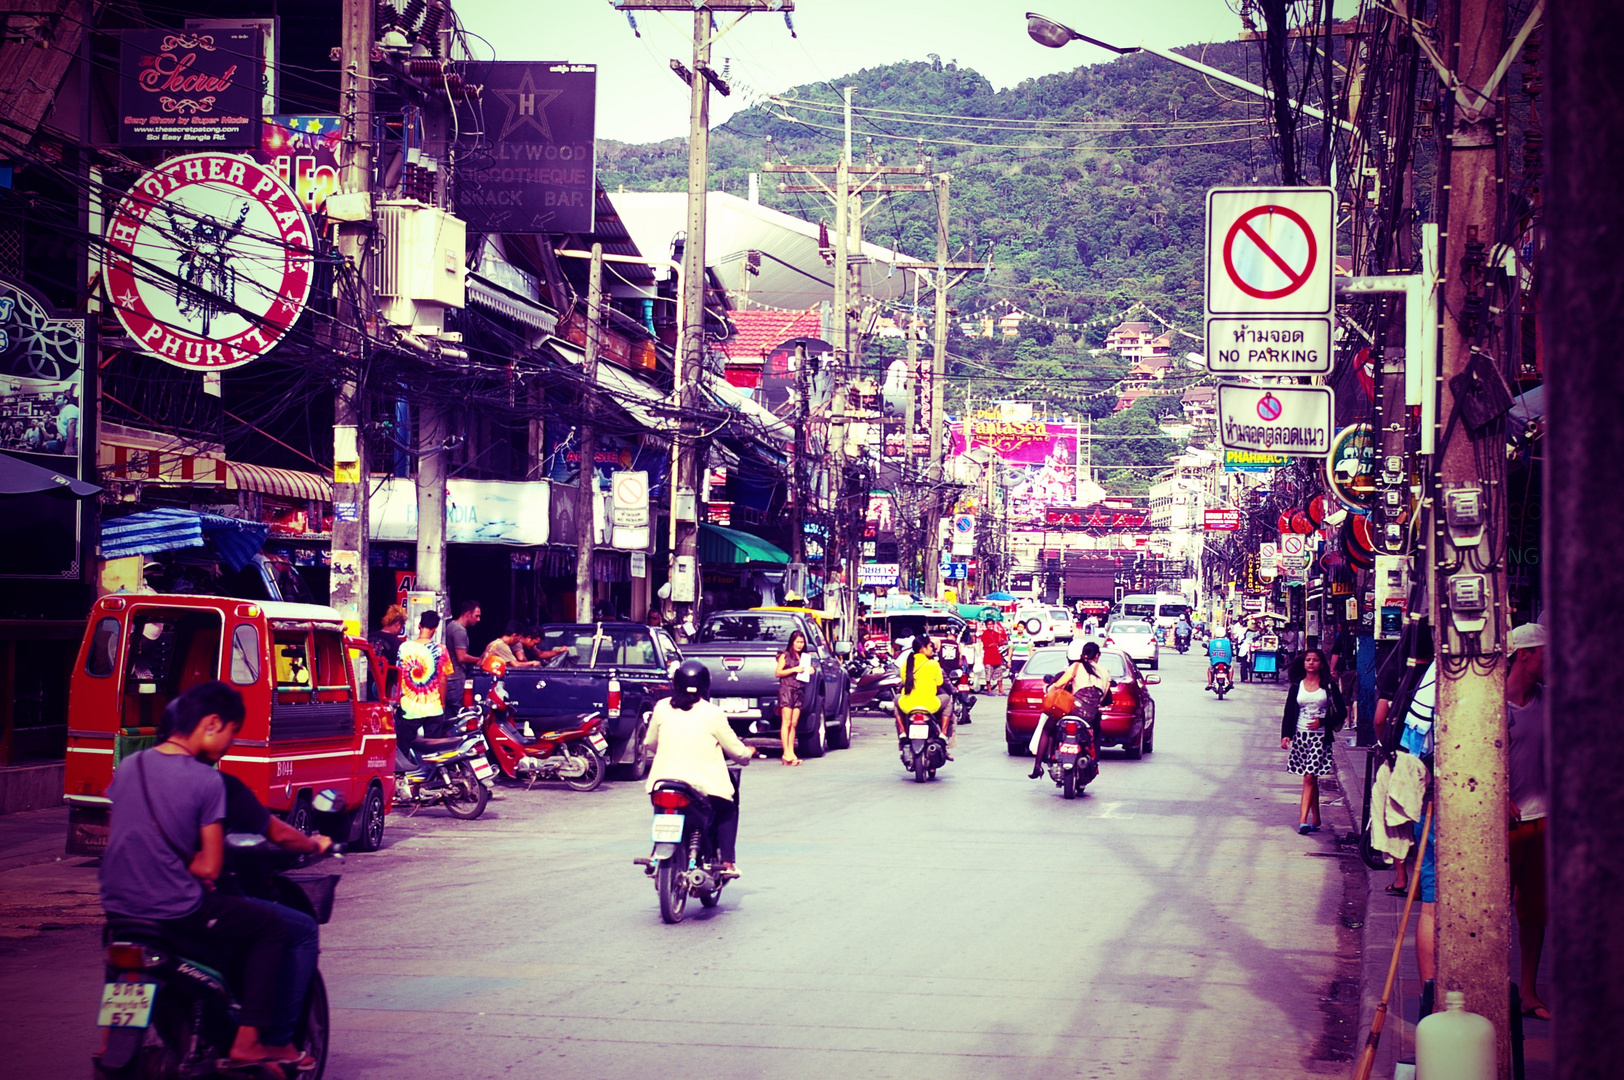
x=999 y=596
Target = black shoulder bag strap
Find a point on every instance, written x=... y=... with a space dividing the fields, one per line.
x=185 y=857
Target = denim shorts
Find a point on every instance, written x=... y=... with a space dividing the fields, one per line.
x=1428 y=893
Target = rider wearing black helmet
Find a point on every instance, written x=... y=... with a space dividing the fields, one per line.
x=692 y=741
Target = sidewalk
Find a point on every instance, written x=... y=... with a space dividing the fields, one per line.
x=40 y=887
x=1381 y=927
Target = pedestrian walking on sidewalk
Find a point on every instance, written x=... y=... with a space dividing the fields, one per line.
x=1315 y=710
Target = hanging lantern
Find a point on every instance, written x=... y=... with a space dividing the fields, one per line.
x=1283 y=522
x=1362 y=539
x=1300 y=523
x=1316 y=510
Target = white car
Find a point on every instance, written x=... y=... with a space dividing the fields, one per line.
x=1039 y=624
x=1135 y=637
x=1065 y=627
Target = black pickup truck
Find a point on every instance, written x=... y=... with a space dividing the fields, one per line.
x=741 y=650
x=618 y=669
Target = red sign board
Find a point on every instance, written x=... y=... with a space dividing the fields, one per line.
x=1096 y=517
x=1222 y=520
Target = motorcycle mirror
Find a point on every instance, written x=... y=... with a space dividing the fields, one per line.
x=328 y=801
x=842 y=648
x=1153 y=679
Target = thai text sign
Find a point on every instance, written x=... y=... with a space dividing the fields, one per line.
x=531 y=167
x=1300 y=346
x=1294 y=420
x=190 y=88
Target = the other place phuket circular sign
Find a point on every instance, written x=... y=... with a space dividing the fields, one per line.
x=208 y=261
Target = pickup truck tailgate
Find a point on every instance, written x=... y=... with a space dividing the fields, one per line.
x=547 y=692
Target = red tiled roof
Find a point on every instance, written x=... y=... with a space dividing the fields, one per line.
x=760 y=332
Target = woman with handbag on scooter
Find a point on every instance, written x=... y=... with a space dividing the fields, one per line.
x=1086 y=684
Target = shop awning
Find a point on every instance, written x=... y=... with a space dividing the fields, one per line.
x=493 y=297
x=645 y=404
x=718 y=545
x=170 y=529
x=283 y=483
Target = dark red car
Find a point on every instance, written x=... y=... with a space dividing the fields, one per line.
x=1127 y=721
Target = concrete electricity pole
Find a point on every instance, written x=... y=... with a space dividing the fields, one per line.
x=684 y=566
x=347 y=589
x=1467 y=545
x=586 y=484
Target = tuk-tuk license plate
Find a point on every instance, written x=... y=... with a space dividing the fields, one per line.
x=918 y=731
x=482 y=769
x=668 y=828
x=599 y=743
x=127 y=1004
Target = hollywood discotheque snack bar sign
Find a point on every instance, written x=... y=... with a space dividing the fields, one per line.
x=208 y=261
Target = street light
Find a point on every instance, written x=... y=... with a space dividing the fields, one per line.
x=1047 y=32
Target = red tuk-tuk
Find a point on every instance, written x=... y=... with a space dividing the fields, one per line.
x=317 y=716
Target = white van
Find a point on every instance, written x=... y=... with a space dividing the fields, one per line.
x=1165 y=608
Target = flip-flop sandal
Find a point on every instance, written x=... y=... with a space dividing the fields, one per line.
x=1533 y=1012
x=1397 y=890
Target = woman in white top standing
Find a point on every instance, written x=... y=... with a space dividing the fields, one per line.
x=692 y=741
x=1314 y=712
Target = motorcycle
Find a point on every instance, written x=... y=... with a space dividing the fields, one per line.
x=1181 y=638
x=1075 y=761
x=573 y=754
x=1221 y=683
x=923 y=750
x=455 y=772
x=168 y=1015
x=963 y=700
x=874 y=684
x=685 y=861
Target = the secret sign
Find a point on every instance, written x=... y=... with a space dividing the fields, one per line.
x=180 y=88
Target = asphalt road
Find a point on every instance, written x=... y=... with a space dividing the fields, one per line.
x=1169 y=924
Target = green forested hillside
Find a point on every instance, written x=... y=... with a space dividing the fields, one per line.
x=1088 y=187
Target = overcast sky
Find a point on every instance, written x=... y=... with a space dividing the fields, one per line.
x=640 y=100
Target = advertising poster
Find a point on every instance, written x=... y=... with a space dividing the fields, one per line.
x=42 y=421
x=303 y=153
x=532 y=168
x=190 y=88
x=1042 y=456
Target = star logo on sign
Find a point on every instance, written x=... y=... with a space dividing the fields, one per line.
x=526 y=105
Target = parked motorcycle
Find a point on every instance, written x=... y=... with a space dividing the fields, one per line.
x=874 y=683
x=455 y=773
x=1075 y=759
x=573 y=754
x=169 y=1015
x=1221 y=683
x=923 y=750
x=685 y=861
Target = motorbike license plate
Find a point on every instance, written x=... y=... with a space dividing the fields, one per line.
x=1070 y=748
x=667 y=828
x=918 y=731
x=127 y=1004
x=482 y=768
x=599 y=743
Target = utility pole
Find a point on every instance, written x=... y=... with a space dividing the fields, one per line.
x=586 y=484
x=938 y=371
x=684 y=537
x=1467 y=558
x=797 y=464
x=347 y=590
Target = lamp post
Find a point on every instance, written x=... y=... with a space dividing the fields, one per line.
x=1046 y=31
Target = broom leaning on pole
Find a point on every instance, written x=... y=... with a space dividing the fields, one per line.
x=1367 y=1059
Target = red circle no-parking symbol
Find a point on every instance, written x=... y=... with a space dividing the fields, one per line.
x=1270 y=252
x=1268 y=408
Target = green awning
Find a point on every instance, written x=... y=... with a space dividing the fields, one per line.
x=725 y=546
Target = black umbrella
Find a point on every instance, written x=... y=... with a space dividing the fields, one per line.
x=19 y=477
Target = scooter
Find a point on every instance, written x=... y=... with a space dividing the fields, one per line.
x=963 y=700
x=1076 y=758
x=168 y=1015
x=1181 y=638
x=454 y=772
x=685 y=861
x=874 y=684
x=1220 y=680
x=922 y=748
x=573 y=754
